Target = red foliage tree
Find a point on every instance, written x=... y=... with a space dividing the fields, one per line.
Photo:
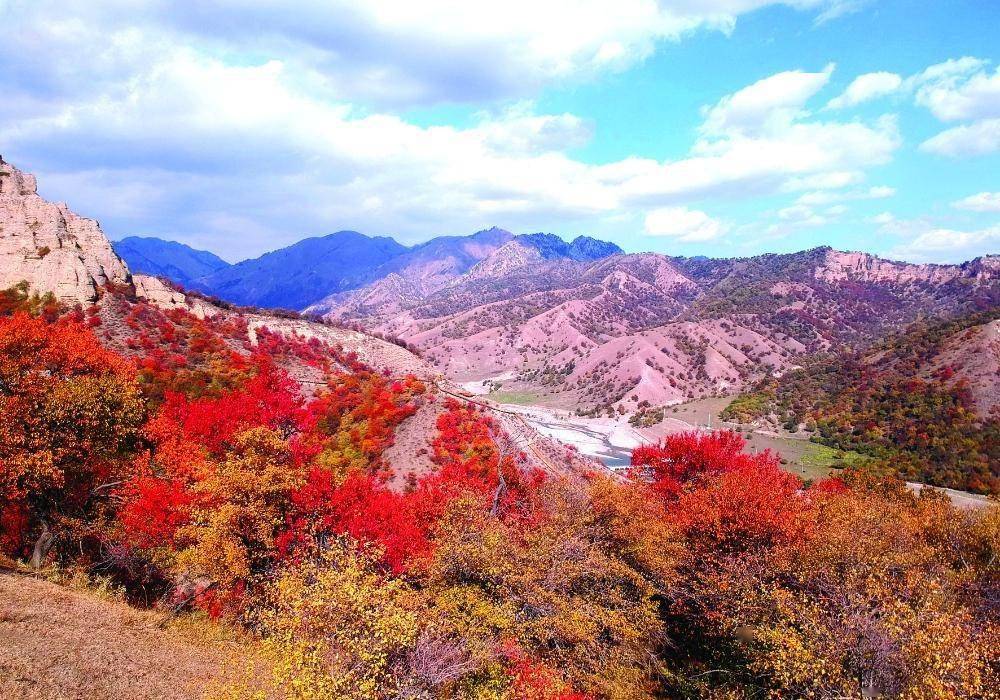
x=686 y=458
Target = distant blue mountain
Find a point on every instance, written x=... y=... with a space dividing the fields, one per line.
x=312 y=269
x=176 y=261
x=304 y=272
x=581 y=248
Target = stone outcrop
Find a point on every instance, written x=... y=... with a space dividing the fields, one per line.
x=841 y=266
x=156 y=292
x=50 y=247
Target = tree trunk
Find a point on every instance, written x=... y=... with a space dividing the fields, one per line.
x=42 y=545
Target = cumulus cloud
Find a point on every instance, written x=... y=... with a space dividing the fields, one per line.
x=948 y=245
x=959 y=90
x=866 y=87
x=963 y=90
x=683 y=224
x=982 y=202
x=770 y=103
x=824 y=181
x=390 y=52
x=976 y=139
x=829 y=197
x=196 y=125
x=799 y=215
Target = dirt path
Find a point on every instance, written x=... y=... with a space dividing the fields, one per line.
x=57 y=642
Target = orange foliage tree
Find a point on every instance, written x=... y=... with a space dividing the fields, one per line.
x=70 y=414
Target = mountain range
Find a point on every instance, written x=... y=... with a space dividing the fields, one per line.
x=308 y=272
x=581 y=324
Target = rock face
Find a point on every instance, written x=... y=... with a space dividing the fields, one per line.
x=842 y=266
x=50 y=247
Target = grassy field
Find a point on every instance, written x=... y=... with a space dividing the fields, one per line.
x=514 y=397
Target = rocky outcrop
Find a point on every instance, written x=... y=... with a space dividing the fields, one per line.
x=156 y=292
x=50 y=247
x=864 y=267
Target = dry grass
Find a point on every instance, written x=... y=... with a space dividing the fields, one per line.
x=57 y=642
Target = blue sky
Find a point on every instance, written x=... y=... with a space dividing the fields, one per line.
x=717 y=127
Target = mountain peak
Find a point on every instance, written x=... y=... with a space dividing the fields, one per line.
x=583 y=248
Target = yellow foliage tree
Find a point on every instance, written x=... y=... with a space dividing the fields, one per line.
x=339 y=628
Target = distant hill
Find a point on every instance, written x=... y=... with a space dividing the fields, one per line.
x=316 y=272
x=581 y=248
x=160 y=258
x=302 y=273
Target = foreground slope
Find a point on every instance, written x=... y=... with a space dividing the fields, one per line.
x=56 y=642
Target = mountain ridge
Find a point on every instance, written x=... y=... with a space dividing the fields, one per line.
x=163 y=258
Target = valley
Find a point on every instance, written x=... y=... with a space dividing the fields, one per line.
x=605 y=350
x=612 y=440
x=548 y=350
x=508 y=475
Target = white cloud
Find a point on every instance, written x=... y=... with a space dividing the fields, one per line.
x=959 y=90
x=948 y=245
x=801 y=215
x=389 y=52
x=770 y=103
x=824 y=181
x=883 y=219
x=978 y=138
x=839 y=8
x=683 y=224
x=866 y=87
x=983 y=202
x=828 y=196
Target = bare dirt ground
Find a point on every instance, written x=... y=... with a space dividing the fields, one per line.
x=56 y=642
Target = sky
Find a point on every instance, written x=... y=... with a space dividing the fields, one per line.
x=688 y=127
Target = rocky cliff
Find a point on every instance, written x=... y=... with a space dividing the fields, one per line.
x=50 y=247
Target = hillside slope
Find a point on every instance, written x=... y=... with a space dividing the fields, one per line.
x=630 y=330
x=924 y=401
x=171 y=333
x=56 y=642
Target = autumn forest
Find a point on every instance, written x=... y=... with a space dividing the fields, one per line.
x=168 y=457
